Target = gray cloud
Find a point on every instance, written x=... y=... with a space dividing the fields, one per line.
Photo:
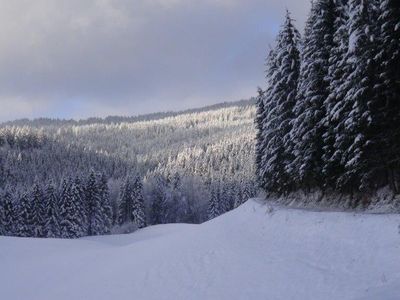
x=79 y=58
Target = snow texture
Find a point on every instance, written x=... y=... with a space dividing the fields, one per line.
x=257 y=251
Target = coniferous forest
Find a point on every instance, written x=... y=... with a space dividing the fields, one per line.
x=61 y=178
x=329 y=119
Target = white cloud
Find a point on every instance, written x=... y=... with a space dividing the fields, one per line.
x=123 y=53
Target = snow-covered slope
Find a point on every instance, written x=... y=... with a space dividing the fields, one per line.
x=253 y=252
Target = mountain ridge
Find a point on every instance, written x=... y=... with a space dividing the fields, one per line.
x=39 y=122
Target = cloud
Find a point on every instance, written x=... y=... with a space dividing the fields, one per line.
x=127 y=57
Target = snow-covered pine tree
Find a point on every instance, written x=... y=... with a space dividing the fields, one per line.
x=159 y=204
x=8 y=214
x=388 y=88
x=214 y=207
x=63 y=203
x=24 y=211
x=51 y=228
x=259 y=131
x=308 y=125
x=93 y=199
x=248 y=191
x=101 y=209
x=78 y=216
x=178 y=204
x=266 y=133
x=125 y=203
x=279 y=101
x=38 y=211
x=80 y=196
x=224 y=197
x=334 y=105
x=105 y=196
x=358 y=123
x=71 y=211
x=139 y=213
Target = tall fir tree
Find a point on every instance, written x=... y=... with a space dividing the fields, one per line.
x=334 y=105
x=71 y=211
x=139 y=213
x=80 y=197
x=214 y=205
x=24 y=212
x=259 y=131
x=388 y=88
x=360 y=164
x=266 y=133
x=282 y=79
x=102 y=211
x=51 y=228
x=8 y=215
x=125 y=203
x=38 y=211
x=159 y=204
x=308 y=125
x=93 y=199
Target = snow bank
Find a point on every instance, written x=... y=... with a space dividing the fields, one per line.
x=254 y=252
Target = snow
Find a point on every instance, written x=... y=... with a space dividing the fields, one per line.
x=256 y=251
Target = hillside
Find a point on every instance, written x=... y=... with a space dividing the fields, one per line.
x=253 y=252
x=205 y=150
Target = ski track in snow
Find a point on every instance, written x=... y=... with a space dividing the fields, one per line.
x=254 y=252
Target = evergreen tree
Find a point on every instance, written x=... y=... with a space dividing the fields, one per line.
x=125 y=205
x=267 y=133
x=107 y=207
x=388 y=88
x=259 y=131
x=279 y=102
x=334 y=105
x=38 y=211
x=80 y=197
x=64 y=200
x=308 y=124
x=8 y=214
x=248 y=191
x=93 y=199
x=24 y=212
x=226 y=197
x=358 y=122
x=102 y=211
x=78 y=215
x=51 y=221
x=239 y=198
x=214 y=207
x=72 y=214
x=139 y=214
x=159 y=204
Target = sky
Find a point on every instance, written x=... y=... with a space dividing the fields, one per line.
x=85 y=58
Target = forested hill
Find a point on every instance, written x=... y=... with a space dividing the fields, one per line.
x=186 y=167
x=38 y=122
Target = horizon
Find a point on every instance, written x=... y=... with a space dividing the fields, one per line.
x=218 y=105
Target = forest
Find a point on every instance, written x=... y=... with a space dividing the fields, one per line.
x=329 y=118
x=65 y=178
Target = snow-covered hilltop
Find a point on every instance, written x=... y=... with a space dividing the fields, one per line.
x=256 y=251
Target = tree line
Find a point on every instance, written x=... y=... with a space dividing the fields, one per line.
x=75 y=208
x=329 y=118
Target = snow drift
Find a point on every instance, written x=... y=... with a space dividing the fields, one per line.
x=254 y=252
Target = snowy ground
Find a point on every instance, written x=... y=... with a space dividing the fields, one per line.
x=253 y=252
